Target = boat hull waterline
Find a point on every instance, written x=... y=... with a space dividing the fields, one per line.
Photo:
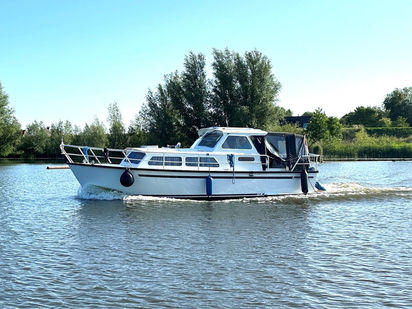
x=193 y=184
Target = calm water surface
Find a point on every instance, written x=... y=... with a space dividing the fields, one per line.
x=61 y=247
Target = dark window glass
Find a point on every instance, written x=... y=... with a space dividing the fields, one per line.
x=208 y=161
x=210 y=139
x=246 y=159
x=202 y=161
x=156 y=160
x=300 y=145
x=279 y=143
x=135 y=157
x=173 y=161
x=192 y=161
x=237 y=142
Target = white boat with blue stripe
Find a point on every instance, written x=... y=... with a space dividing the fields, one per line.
x=223 y=162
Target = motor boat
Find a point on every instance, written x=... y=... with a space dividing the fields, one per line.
x=224 y=162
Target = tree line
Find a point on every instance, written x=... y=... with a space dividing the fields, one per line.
x=241 y=91
x=396 y=111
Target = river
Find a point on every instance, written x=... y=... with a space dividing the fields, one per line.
x=349 y=247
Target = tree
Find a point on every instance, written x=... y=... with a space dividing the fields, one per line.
x=258 y=89
x=244 y=90
x=398 y=103
x=334 y=127
x=179 y=106
x=117 y=133
x=136 y=136
x=224 y=96
x=195 y=107
x=9 y=126
x=263 y=89
x=242 y=93
x=317 y=129
x=35 y=142
x=94 y=135
x=58 y=131
x=366 y=116
x=159 y=117
x=400 y=122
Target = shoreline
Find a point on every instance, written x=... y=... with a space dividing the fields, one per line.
x=330 y=159
x=364 y=159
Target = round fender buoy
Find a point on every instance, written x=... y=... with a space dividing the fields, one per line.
x=304 y=182
x=127 y=179
x=209 y=185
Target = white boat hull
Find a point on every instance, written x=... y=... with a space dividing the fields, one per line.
x=192 y=184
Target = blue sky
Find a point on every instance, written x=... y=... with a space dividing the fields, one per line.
x=68 y=60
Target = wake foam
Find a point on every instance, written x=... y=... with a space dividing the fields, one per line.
x=141 y=198
x=338 y=191
x=98 y=193
x=359 y=189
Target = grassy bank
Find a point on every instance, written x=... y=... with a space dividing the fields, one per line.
x=364 y=146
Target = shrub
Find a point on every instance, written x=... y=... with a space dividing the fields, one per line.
x=390 y=131
x=317 y=149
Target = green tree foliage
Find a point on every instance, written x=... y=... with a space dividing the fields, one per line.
x=136 y=136
x=384 y=122
x=334 y=127
x=366 y=116
x=159 y=117
x=400 y=122
x=317 y=129
x=244 y=90
x=241 y=93
x=194 y=107
x=9 y=126
x=36 y=139
x=322 y=127
x=117 y=133
x=179 y=107
x=259 y=88
x=93 y=135
x=58 y=131
x=225 y=89
x=398 y=103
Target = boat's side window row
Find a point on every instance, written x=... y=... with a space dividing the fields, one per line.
x=168 y=161
x=202 y=161
x=177 y=161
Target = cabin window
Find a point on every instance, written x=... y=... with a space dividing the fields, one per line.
x=173 y=161
x=168 y=161
x=156 y=160
x=300 y=145
x=135 y=157
x=237 y=142
x=202 y=161
x=279 y=143
x=210 y=139
x=250 y=159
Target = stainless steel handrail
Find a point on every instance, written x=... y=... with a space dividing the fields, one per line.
x=164 y=161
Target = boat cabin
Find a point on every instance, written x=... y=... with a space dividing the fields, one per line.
x=221 y=148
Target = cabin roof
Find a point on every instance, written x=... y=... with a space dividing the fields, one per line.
x=247 y=131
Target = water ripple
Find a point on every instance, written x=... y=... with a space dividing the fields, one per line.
x=68 y=248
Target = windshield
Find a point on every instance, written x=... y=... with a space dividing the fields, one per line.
x=210 y=139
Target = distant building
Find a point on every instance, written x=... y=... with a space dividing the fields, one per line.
x=301 y=121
